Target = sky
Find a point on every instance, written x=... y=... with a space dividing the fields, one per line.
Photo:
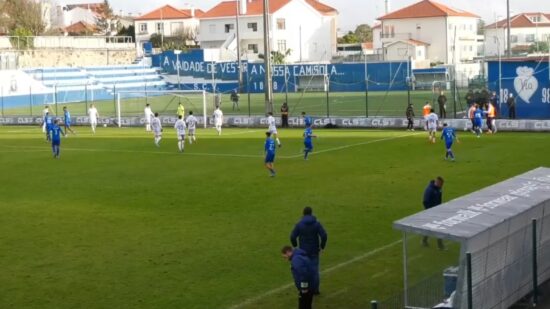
x=352 y=12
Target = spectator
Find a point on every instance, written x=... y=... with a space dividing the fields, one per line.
x=410 y=117
x=312 y=239
x=442 y=102
x=217 y=100
x=235 y=99
x=302 y=272
x=470 y=98
x=511 y=102
x=284 y=115
x=432 y=198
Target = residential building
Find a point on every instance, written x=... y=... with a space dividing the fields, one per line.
x=305 y=28
x=526 y=29
x=82 y=18
x=427 y=31
x=167 y=21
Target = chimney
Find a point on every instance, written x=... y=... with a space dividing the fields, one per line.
x=193 y=11
x=387 y=6
x=243 y=6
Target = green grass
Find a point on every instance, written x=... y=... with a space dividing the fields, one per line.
x=118 y=223
x=315 y=103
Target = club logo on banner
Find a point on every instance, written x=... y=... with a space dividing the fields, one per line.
x=525 y=83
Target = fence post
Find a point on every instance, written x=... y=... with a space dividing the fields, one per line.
x=469 y=280
x=327 y=85
x=374 y=304
x=30 y=99
x=2 y=98
x=85 y=99
x=366 y=97
x=535 y=266
x=55 y=96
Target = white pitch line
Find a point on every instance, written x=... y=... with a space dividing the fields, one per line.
x=325 y=271
x=351 y=145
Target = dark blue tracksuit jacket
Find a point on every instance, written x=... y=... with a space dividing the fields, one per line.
x=302 y=269
x=432 y=196
x=308 y=231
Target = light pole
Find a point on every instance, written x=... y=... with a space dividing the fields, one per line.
x=177 y=52
x=499 y=72
x=238 y=37
x=267 y=60
x=508 y=35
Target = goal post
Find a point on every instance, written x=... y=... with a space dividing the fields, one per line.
x=131 y=103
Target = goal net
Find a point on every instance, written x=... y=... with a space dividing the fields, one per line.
x=132 y=103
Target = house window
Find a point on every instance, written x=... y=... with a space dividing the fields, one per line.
x=160 y=28
x=389 y=31
x=143 y=28
x=281 y=46
x=281 y=24
x=471 y=48
x=535 y=19
x=253 y=27
x=176 y=28
x=229 y=27
x=419 y=53
x=530 y=38
x=212 y=28
x=514 y=38
x=253 y=48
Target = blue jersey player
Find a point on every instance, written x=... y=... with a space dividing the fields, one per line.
x=67 y=120
x=478 y=120
x=308 y=143
x=308 y=122
x=269 y=148
x=450 y=136
x=56 y=138
x=48 y=120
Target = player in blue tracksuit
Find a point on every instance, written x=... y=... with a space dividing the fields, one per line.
x=269 y=148
x=67 y=120
x=56 y=132
x=450 y=136
x=308 y=122
x=308 y=143
x=302 y=273
x=478 y=120
x=48 y=120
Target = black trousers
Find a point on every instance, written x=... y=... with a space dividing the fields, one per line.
x=410 y=124
x=305 y=300
x=284 y=119
x=512 y=112
x=442 y=111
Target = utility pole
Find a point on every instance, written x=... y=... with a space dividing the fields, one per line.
x=238 y=37
x=267 y=61
x=509 y=42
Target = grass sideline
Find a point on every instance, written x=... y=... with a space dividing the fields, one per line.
x=118 y=223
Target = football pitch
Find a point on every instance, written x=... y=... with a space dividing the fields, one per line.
x=119 y=223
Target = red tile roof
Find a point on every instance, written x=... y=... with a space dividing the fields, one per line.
x=367 y=45
x=81 y=27
x=170 y=12
x=520 y=21
x=256 y=7
x=426 y=8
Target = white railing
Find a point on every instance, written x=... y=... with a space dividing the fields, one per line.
x=66 y=42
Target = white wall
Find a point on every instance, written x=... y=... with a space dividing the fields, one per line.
x=78 y=14
x=462 y=33
x=401 y=51
x=491 y=45
x=171 y=27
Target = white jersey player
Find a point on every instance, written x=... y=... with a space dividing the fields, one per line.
x=148 y=117
x=180 y=131
x=191 y=126
x=432 y=120
x=44 y=113
x=218 y=120
x=156 y=125
x=272 y=127
x=93 y=114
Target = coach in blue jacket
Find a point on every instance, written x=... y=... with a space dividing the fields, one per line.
x=312 y=238
x=432 y=197
x=302 y=272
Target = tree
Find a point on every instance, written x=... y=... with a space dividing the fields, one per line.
x=105 y=17
x=349 y=38
x=130 y=31
x=539 y=47
x=480 y=27
x=25 y=15
x=363 y=33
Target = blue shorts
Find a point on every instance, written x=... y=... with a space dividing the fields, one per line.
x=448 y=144
x=269 y=158
x=56 y=142
x=308 y=145
x=67 y=124
x=477 y=123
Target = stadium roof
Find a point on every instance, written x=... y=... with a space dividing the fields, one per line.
x=426 y=8
x=466 y=217
x=522 y=20
x=255 y=8
x=170 y=12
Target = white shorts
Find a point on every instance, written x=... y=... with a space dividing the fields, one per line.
x=181 y=137
x=147 y=121
x=93 y=121
x=191 y=131
x=157 y=133
x=218 y=123
x=272 y=130
x=432 y=128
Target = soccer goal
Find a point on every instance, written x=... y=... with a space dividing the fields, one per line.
x=131 y=103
